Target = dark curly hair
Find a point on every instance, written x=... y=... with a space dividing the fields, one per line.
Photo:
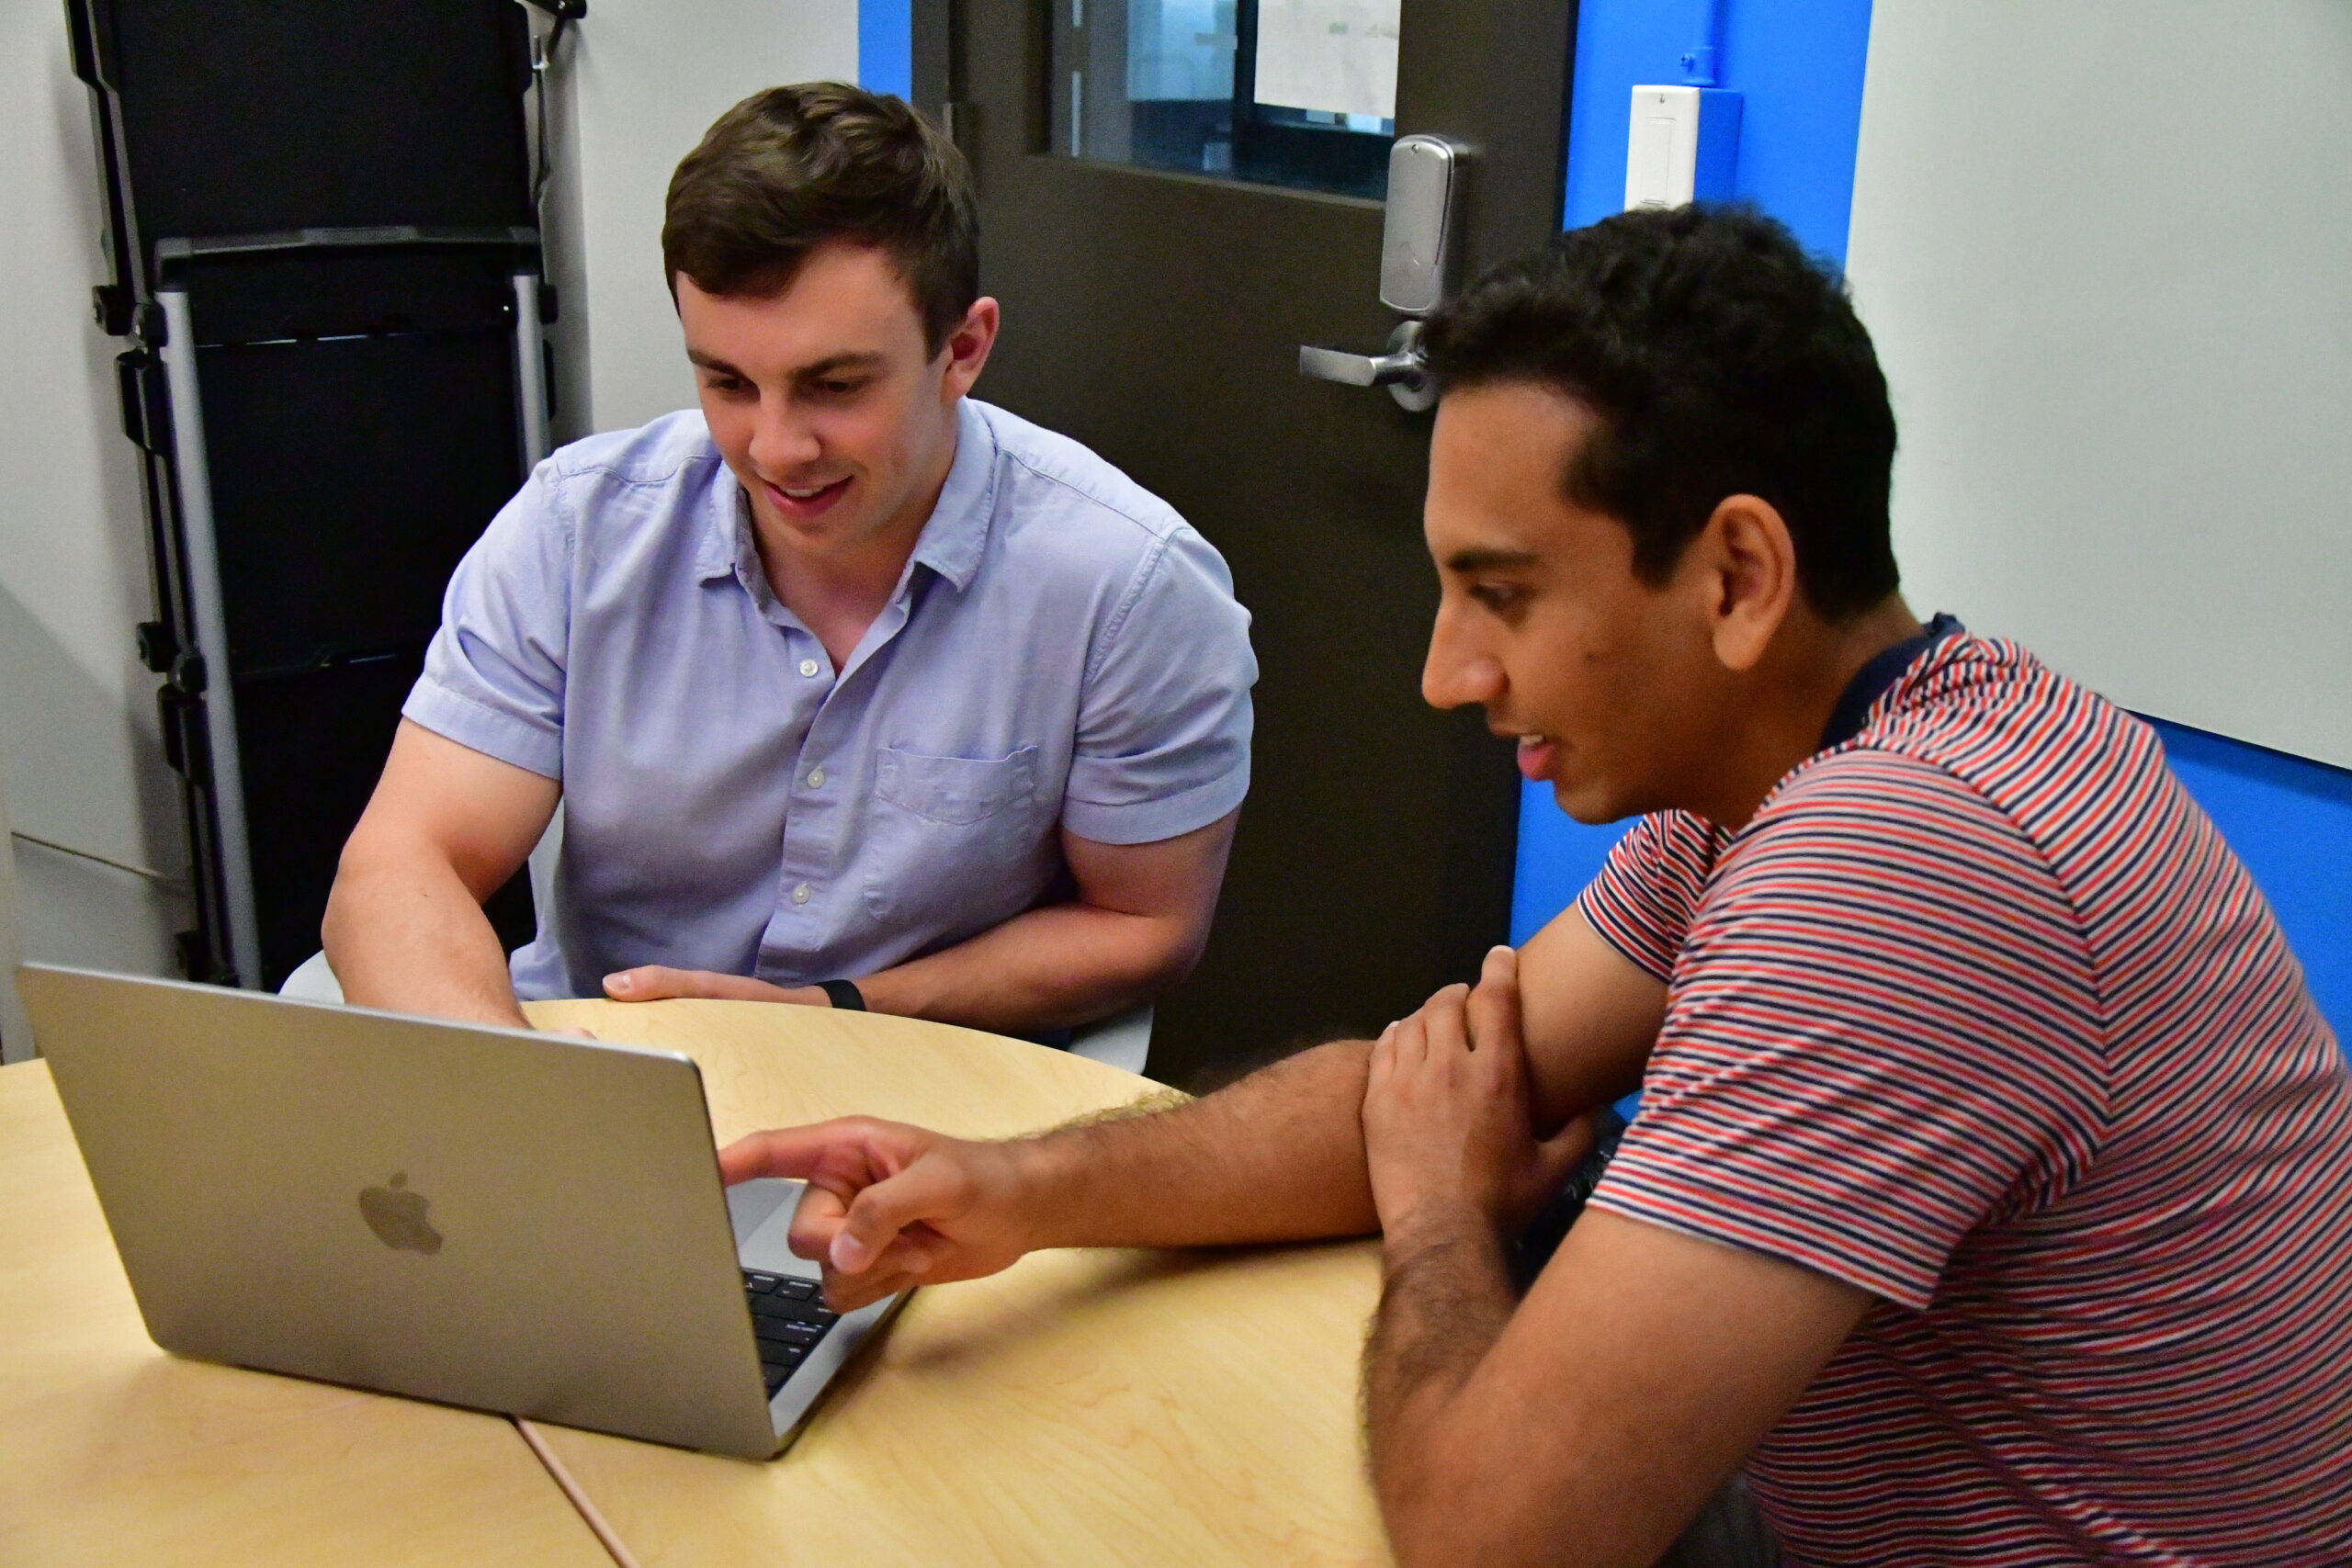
x=789 y=168
x=1720 y=359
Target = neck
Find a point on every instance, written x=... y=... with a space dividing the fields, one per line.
x=1787 y=707
x=867 y=569
x=838 y=594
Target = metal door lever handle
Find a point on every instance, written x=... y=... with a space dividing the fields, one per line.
x=1358 y=369
x=1402 y=370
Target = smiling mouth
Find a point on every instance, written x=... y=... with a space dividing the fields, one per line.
x=805 y=501
x=1536 y=752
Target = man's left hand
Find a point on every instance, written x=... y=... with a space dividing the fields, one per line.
x=1447 y=1126
x=656 y=982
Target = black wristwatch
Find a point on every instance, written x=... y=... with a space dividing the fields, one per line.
x=843 y=994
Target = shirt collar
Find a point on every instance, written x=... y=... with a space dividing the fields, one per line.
x=951 y=543
x=727 y=527
x=1876 y=677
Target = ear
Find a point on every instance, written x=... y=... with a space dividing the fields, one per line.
x=966 y=349
x=1749 y=576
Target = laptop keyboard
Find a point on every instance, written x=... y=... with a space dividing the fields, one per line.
x=789 y=1317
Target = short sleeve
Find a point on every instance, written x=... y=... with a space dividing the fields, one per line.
x=1642 y=899
x=493 y=677
x=1883 y=1034
x=1164 y=723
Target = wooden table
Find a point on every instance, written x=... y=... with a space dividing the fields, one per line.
x=113 y=1452
x=1082 y=1408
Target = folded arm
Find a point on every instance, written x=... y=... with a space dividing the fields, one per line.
x=446 y=828
x=1591 y=1424
x=1591 y=1421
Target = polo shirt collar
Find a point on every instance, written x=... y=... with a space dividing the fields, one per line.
x=1876 y=677
x=951 y=543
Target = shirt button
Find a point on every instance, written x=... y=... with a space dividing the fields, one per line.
x=800 y=894
x=816 y=778
x=808 y=667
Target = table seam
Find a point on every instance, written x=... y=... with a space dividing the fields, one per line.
x=575 y=1494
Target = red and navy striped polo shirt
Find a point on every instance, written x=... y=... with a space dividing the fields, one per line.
x=1979 y=1014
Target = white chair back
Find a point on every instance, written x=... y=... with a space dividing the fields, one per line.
x=312 y=981
x=1123 y=1041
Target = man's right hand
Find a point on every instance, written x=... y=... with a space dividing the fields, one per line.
x=889 y=1206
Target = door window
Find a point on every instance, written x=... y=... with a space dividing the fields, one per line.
x=1298 y=93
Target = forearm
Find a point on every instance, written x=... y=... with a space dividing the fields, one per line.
x=1277 y=1157
x=1446 y=1299
x=1052 y=967
x=405 y=934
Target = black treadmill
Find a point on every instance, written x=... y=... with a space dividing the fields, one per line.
x=324 y=245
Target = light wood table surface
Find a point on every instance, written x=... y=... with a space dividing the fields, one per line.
x=1083 y=1407
x=113 y=1452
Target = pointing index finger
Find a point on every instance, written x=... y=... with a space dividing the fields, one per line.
x=795 y=1152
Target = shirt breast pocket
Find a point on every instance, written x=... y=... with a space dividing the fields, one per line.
x=953 y=834
x=955 y=791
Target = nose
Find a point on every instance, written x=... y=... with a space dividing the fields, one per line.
x=1456 y=672
x=782 y=440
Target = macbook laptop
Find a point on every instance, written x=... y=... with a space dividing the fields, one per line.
x=521 y=1223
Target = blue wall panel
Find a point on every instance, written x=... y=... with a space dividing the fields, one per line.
x=1797 y=65
x=2291 y=821
x=885 y=46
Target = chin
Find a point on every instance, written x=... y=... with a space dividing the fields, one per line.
x=1589 y=804
x=822 y=536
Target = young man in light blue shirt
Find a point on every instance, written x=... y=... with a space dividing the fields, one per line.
x=855 y=690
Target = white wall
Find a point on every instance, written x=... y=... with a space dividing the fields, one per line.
x=648 y=79
x=80 y=764
x=2106 y=250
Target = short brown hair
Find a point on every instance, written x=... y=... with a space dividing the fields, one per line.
x=790 y=168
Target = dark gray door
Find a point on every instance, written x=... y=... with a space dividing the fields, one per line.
x=1176 y=194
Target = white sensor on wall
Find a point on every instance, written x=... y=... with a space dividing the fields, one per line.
x=1681 y=147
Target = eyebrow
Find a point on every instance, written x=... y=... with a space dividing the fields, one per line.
x=1487 y=558
x=859 y=360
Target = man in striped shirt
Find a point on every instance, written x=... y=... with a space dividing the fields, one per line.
x=1989 y=1198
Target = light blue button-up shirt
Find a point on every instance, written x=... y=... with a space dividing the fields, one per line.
x=1062 y=650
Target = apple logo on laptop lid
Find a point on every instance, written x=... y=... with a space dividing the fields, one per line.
x=396 y=1217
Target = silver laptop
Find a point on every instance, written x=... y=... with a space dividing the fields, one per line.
x=521 y=1223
